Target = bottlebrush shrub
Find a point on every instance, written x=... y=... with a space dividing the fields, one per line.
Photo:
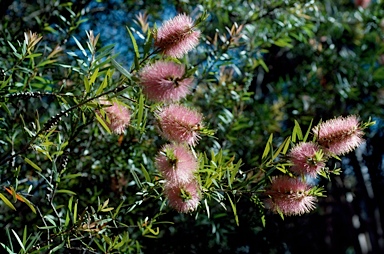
x=69 y=187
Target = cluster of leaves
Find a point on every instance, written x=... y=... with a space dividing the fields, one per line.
x=261 y=65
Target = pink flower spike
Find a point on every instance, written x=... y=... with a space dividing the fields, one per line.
x=289 y=196
x=176 y=163
x=165 y=81
x=176 y=36
x=339 y=135
x=180 y=124
x=118 y=116
x=306 y=158
x=183 y=198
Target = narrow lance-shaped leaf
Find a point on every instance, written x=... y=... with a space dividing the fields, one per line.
x=140 y=112
x=286 y=141
x=87 y=85
x=135 y=48
x=145 y=173
x=66 y=192
x=32 y=164
x=103 y=123
x=28 y=203
x=94 y=76
x=7 y=202
x=18 y=240
x=148 y=42
x=286 y=147
x=75 y=212
x=80 y=46
x=121 y=69
x=297 y=133
x=104 y=84
x=267 y=147
x=308 y=131
x=234 y=210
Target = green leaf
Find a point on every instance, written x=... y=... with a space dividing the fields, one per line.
x=104 y=84
x=135 y=48
x=308 y=131
x=121 y=69
x=286 y=147
x=267 y=147
x=93 y=77
x=58 y=247
x=25 y=235
x=235 y=170
x=32 y=164
x=18 y=240
x=75 y=212
x=103 y=123
x=66 y=192
x=107 y=209
x=148 y=42
x=286 y=141
x=145 y=173
x=87 y=85
x=283 y=43
x=46 y=62
x=7 y=202
x=137 y=180
x=140 y=112
x=80 y=46
x=13 y=48
x=262 y=63
x=234 y=210
x=27 y=202
x=118 y=209
x=7 y=249
x=297 y=132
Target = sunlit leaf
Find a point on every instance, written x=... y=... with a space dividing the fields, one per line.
x=7 y=202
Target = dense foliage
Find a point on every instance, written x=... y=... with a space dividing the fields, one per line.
x=77 y=177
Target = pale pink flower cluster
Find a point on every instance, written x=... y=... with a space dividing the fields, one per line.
x=337 y=136
x=289 y=196
x=117 y=116
x=304 y=159
x=180 y=124
x=183 y=198
x=165 y=81
x=340 y=135
x=177 y=36
x=176 y=163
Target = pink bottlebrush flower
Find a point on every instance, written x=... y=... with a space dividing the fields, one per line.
x=290 y=196
x=183 y=198
x=118 y=116
x=306 y=158
x=177 y=36
x=176 y=163
x=180 y=124
x=165 y=81
x=339 y=135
